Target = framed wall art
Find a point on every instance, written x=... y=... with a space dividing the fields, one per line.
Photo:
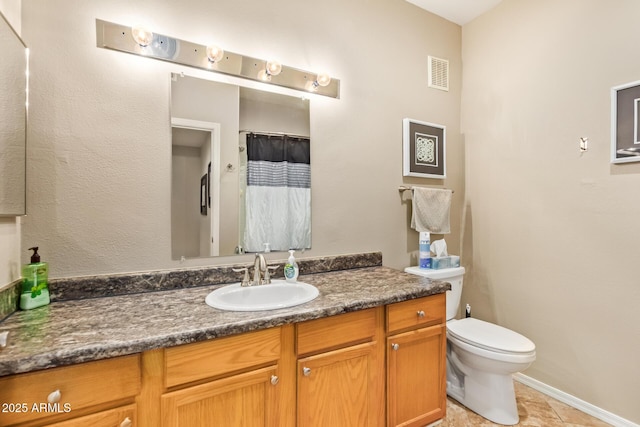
x=203 y=194
x=625 y=123
x=209 y=184
x=424 y=149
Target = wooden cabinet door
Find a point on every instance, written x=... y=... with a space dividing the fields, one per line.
x=244 y=400
x=416 y=387
x=341 y=388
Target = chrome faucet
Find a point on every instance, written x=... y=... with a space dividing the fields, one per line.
x=259 y=269
x=261 y=275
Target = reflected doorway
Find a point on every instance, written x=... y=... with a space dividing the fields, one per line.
x=195 y=188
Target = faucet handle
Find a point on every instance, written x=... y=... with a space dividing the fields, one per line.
x=267 y=276
x=245 y=279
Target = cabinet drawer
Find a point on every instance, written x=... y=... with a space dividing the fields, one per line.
x=124 y=416
x=419 y=312
x=80 y=386
x=336 y=331
x=193 y=362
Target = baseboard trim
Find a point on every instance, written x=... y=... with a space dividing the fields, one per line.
x=574 y=402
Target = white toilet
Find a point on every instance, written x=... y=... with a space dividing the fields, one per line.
x=481 y=356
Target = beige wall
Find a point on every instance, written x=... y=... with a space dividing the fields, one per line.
x=11 y=10
x=9 y=250
x=546 y=233
x=553 y=231
x=99 y=187
x=10 y=226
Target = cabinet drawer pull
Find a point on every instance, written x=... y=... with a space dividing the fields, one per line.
x=274 y=379
x=420 y=313
x=395 y=346
x=126 y=423
x=54 y=397
x=306 y=371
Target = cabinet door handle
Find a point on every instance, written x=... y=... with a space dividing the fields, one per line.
x=306 y=371
x=126 y=423
x=395 y=346
x=420 y=313
x=54 y=397
x=274 y=379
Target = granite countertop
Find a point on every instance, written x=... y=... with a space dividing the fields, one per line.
x=76 y=331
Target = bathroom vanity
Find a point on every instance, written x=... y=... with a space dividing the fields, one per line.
x=356 y=355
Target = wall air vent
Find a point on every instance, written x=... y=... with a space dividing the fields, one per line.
x=438 y=73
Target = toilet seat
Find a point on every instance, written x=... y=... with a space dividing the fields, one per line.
x=490 y=337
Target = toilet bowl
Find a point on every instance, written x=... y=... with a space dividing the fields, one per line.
x=481 y=356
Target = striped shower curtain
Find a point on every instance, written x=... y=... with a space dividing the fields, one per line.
x=278 y=194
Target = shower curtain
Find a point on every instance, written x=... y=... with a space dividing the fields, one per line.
x=278 y=194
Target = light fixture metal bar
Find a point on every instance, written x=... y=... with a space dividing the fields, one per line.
x=118 y=37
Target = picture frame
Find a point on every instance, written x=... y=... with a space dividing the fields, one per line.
x=424 y=149
x=209 y=185
x=625 y=123
x=203 y=194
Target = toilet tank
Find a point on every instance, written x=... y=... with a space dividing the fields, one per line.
x=453 y=276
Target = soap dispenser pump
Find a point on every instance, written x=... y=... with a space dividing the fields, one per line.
x=291 y=269
x=35 y=291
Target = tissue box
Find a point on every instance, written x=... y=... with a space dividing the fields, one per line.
x=450 y=261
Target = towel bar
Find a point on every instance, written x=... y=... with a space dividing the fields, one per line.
x=404 y=188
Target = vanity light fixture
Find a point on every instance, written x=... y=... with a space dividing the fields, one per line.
x=272 y=68
x=214 y=53
x=322 y=80
x=264 y=76
x=142 y=35
x=139 y=40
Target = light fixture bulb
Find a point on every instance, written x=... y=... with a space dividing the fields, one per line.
x=214 y=53
x=142 y=35
x=323 y=79
x=264 y=76
x=311 y=86
x=274 y=68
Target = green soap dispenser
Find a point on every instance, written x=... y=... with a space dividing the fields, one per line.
x=35 y=292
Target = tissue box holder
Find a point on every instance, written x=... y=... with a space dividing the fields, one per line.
x=450 y=261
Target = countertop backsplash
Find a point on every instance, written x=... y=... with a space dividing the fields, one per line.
x=164 y=280
x=9 y=299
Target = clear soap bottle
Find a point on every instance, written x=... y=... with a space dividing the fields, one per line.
x=35 y=288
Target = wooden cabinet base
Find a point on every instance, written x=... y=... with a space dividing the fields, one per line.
x=324 y=372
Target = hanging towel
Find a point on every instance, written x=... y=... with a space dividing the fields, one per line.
x=431 y=207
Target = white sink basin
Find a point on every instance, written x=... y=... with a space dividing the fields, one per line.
x=277 y=294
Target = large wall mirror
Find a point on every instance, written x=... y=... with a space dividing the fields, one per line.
x=240 y=170
x=13 y=107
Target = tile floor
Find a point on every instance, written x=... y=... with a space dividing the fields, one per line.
x=534 y=408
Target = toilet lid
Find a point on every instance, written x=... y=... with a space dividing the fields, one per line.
x=489 y=336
